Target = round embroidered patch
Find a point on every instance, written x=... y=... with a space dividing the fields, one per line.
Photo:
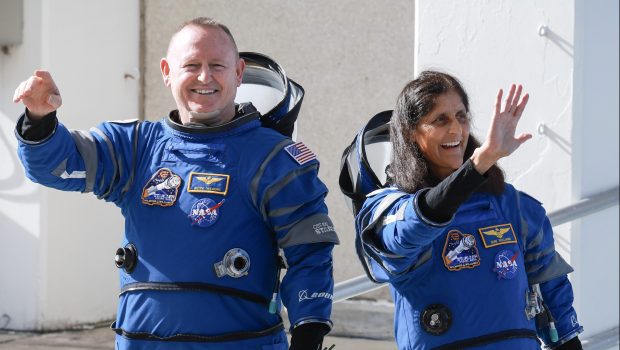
x=205 y=212
x=506 y=264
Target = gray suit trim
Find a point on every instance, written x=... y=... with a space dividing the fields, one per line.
x=314 y=320
x=424 y=257
x=134 y=160
x=276 y=187
x=377 y=220
x=380 y=219
x=284 y=211
x=557 y=267
x=535 y=242
x=118 y=168
x=317 y=228
x=263 y=166
x=87 y=147
x=398 y=216
x=529 y=257
x=60 y=169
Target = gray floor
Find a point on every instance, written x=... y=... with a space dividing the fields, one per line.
x=103 y=338
x=358 y=325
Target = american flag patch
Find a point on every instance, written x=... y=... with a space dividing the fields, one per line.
x=300 y=153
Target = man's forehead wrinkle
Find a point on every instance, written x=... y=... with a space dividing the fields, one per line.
x=183 y=49
x=190 y=52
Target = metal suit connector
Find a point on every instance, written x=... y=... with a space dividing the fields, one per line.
x=126 y=257
x=236 y=263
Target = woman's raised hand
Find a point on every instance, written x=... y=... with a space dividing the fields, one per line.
x=501 y=140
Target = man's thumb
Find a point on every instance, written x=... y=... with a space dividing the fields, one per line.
x=54 y=100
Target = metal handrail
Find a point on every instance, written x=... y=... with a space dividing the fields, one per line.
x=601 y=341
x=586 y=206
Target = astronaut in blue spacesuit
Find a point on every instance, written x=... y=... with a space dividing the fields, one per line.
x=470 y=260
x=214 y=205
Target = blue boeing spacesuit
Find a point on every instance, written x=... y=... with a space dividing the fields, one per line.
x=211 y=216
x=477 y=281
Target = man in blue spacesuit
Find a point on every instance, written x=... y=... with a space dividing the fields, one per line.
x=214 y=204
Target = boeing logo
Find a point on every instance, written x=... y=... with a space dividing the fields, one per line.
x=303 y=295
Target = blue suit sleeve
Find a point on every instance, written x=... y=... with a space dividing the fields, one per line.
x=394 y=232
x=308 y=286
x=546 y=267
x=558 y=296
x=100 y=160
x=542 y=261
x=291 y=199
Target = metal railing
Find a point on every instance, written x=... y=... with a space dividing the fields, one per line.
x=592 y=204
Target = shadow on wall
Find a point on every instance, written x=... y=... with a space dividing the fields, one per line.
x=15 y=178
x=14 y=236
x=555 y=38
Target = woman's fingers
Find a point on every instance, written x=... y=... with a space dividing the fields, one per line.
x=498 y=102
x=523 y=137
x=522 y=105
x=515 y=101
x=509 y=99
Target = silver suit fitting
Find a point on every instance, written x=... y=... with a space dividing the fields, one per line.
x=236 y=263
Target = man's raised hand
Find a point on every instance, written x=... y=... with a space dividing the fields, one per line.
x=39 y=94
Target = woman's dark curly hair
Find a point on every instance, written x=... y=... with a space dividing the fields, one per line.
x=409 y=170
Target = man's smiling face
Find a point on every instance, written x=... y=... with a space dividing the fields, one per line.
x=203 y=70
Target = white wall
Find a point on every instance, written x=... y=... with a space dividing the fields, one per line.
x=595 y=160
x=56 y=249
x=571 y=74
x=20 y=236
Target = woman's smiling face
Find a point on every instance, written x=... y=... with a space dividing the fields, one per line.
x=442 y=134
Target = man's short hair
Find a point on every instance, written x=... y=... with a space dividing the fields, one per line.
x=206 y=22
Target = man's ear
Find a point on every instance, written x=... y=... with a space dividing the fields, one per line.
x=239 y=69
x=165 y=71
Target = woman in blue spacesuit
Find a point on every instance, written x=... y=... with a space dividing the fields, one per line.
x=470 y=259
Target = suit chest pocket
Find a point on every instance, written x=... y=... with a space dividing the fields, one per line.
x=192 y=153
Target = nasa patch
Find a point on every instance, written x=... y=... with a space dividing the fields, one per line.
x=460 y=251
x=205 y=212
x=162 y=188
x=506 y=264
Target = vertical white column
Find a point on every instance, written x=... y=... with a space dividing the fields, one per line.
x=21 y=234
x=595 y=162
x=56 y=248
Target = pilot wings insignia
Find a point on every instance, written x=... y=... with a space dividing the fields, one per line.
x=497 y=232
x=497 y=235
x=208 y=183
x=209 y=179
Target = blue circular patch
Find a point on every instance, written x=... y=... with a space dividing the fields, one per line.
x=205 y=212
x=506 y=264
